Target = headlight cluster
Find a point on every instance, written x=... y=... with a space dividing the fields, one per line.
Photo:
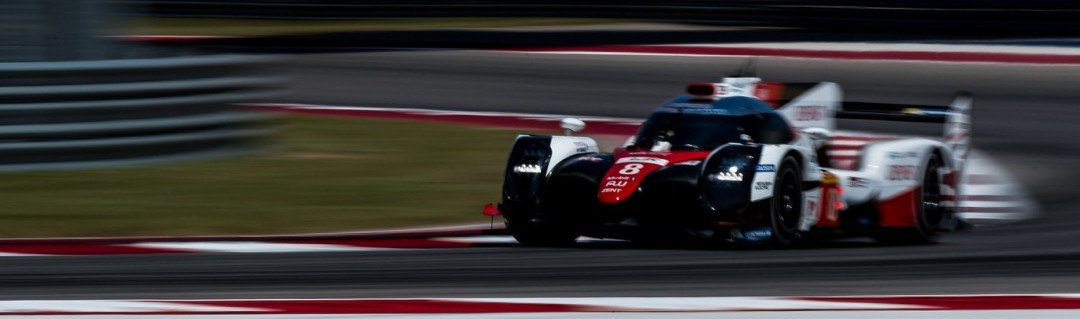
x=528 y=169
x=733 y=174
x=726 y=175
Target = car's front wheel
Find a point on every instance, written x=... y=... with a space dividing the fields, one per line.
x=543 y=234
x=786 y=207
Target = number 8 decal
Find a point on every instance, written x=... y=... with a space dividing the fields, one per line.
x=631 y=169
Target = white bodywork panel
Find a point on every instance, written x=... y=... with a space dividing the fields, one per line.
x=889 y=168
x=764 y=182
x=566 y=146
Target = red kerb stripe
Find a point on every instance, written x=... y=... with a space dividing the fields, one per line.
x=967 y=302
x=391 y=306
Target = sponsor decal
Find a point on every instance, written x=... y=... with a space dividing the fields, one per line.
x=693 y=162
x=593 y=159
x=616 y=183
x=707 y=111
x=810 y=113
x=752 y=235
x=902 y=172
x=527 y=169
x=609 y=190
x=763 y=186
x=765 y=168
x=640 y=159
x=857 y=182
x=828 y=178
x=691 y=105
x=581 y=146
x=896 y=155
x=631 y=169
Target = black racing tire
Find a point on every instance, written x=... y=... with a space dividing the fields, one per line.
x=785 y=210
x=929 y=214
x=543 y=235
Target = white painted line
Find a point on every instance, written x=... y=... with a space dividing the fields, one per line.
x=510 y=240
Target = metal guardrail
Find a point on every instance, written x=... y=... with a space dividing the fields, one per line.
x=84 y=114
x=944 y=16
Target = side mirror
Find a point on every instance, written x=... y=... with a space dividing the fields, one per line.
x=819 y=135
x=571 y=125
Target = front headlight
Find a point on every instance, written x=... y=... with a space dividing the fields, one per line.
x=725 y=177
x=731 y=175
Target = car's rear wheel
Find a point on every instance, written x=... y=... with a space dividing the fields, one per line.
x=929 y=210
x=786 y=208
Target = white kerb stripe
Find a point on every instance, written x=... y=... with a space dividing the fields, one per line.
x=839 y=142
x=844 y=153
x=16 y=306
x=251 y=247
x=508 y=239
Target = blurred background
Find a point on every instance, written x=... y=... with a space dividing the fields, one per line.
x=143 y=117
x=223 y=117
x=130 y=117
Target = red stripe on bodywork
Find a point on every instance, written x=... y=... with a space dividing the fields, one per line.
x=898 y=211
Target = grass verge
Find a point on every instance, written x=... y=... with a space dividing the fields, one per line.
x=329 y=174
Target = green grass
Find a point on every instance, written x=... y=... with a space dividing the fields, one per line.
x=260 y=27
x=327 y=174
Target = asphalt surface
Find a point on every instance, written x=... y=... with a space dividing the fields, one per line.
x=1024 y=117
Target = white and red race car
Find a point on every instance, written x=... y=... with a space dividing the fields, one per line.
x=742 y=160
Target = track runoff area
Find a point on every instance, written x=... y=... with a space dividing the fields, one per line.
x=992 y=196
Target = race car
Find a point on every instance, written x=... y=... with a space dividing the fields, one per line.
x=741 y=161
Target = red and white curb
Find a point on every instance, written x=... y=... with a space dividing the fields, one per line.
x=952 y=53
x=380 y=240
x=552 y=307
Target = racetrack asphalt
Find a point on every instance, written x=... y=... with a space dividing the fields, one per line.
x=1024 y=117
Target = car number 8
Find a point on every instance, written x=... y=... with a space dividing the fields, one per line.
x=631 y=169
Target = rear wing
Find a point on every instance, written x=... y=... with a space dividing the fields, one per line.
x=956 y=117
x=819 y=104
x=804 y=105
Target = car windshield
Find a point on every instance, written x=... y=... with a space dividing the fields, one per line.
x=709 y=131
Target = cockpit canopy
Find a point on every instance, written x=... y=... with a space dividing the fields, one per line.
x=691 y=123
